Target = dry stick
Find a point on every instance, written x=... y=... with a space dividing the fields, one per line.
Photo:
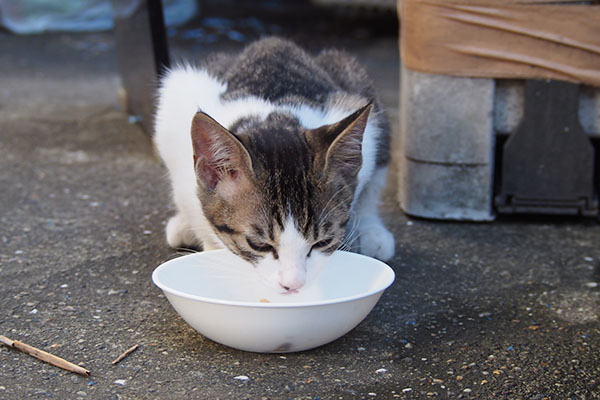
x=125 y=354
x=46 y=357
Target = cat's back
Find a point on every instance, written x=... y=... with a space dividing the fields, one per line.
x=278 y=71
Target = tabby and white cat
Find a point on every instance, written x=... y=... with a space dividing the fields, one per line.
x=278 y=156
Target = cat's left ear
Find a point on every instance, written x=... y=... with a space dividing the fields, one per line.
x=338 y=147
x=218 y=155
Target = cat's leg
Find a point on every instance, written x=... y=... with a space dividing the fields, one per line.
x=179 y=232
x=188 y=228
x=209 y=243
x=373 y=237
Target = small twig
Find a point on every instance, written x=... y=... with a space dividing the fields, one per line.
x=125 y=354
x=44 y=356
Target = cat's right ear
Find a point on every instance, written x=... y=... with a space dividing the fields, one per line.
x=218 y=155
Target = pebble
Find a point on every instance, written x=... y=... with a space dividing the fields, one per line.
x=381 y=371
x=120 y=382
x=438 y=381
x=467 y=390
x=81 y=393
x=241 y=378
x=592 y=284
x=372 y=394
x=2 y=388
x=407 y=390
x=589 y=259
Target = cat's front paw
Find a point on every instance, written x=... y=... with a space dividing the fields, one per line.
x=376 y=241
x=179 y=233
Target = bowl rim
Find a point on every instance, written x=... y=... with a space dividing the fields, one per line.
x=390 y=278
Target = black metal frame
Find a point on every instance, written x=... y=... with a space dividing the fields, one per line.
x=548 y=163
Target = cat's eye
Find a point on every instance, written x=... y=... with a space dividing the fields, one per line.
x=262 y=247
x=320 y=244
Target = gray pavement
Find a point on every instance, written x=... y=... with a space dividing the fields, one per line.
x=508 y=309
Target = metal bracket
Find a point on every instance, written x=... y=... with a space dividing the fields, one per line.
x=548 y=162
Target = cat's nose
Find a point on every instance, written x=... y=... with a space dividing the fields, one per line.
x=291 y=289
x=292 y=273
x=292 y=285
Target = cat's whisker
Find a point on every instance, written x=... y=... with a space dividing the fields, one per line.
x=352 y=240
x=352 y=235
x=329 y=212
x=325 y=208
x=186 y=250
x=349 y=244
x=349 y=240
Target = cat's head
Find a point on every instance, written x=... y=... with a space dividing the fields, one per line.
x=276 y=194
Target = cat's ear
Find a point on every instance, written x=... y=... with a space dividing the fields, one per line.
x=218 y=154
x=338 y=146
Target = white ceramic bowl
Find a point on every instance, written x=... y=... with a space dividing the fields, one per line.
x=224 y=299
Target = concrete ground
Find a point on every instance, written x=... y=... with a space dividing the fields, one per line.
x=506 y=310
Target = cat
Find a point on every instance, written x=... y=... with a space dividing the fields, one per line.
x=276 y=155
